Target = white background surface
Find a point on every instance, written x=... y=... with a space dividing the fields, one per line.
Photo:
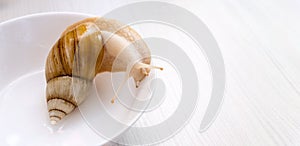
x=260 y=45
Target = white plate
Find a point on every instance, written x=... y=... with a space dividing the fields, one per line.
x=25 y=43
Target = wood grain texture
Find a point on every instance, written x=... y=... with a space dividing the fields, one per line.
x=260 y=45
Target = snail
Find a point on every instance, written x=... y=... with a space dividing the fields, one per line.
x=85 y=49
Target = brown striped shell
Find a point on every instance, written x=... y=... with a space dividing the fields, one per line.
x=79 y=55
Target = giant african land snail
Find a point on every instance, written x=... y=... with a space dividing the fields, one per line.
x=84 y=49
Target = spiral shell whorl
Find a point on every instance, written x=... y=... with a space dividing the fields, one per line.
x=70 y=67
x=61 y=99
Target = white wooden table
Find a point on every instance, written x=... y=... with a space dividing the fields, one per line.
x=260 y=45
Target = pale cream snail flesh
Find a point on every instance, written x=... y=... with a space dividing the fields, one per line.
x=84 y=49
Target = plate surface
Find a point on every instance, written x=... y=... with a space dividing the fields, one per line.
x=25 y=43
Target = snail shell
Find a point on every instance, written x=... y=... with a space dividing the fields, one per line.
x=84 y=49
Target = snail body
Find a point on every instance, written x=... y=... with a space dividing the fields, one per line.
x=86 y=48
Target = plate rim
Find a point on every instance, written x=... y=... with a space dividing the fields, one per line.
x=5 y=22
